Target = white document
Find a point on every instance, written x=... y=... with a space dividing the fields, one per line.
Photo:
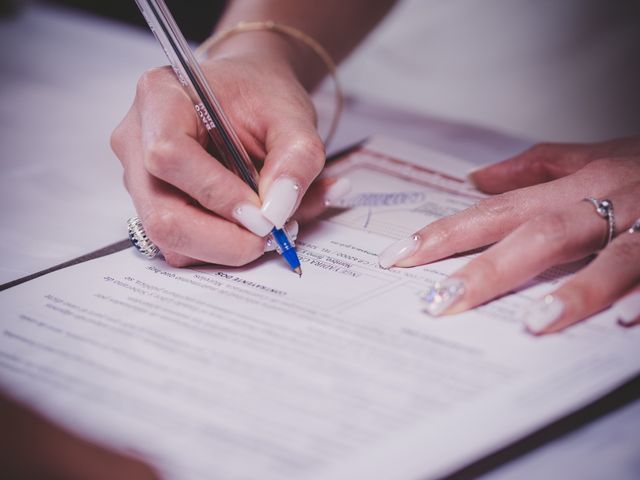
x=244 y=373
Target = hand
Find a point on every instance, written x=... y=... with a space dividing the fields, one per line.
x=539 y=220
x=34 y=448
x=190 y=205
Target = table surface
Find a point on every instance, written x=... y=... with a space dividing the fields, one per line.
x=67 y=81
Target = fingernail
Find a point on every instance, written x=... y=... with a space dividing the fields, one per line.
x=336 y=191
x=628 y=309
x=292 y=229
x=442 y=295
x=544 y=314
x=398 y=251
x=280 y=200
x=252 y=219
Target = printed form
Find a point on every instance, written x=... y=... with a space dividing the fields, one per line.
x=244 y=373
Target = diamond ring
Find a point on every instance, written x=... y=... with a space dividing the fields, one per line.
x=139 y=238
x=604 y=208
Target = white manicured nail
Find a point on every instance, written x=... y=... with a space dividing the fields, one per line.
x=628 y=309
x=252 y=219
x=544 y=314
x=398 y=251
x=336 y=191
x=280 y=200
x=292 y=228
x=442 y=295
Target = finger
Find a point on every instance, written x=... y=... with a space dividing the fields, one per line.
x=125 y=144
x=537 y=245
x=188 y=231
x=182 y=162
x=547 y=161
x=184 y=231
x=482 y=224
x=177 y=260
x=493 y=218
x=172 y=151
x=627 y=309
x=292 y=228
x=159 y=96
x=295 y=157
x=613 y=273
x=323 y=194
x=165 y=212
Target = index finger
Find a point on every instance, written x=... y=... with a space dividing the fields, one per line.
x=295 y=157
x=173 y=151
x=493 y=218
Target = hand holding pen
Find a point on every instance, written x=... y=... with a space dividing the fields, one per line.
x=190 y=204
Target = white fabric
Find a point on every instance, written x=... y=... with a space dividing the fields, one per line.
x=541 y=69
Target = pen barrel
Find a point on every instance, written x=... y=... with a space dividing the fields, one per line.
x=282 y=239
x=228 y=148
x=285 y=247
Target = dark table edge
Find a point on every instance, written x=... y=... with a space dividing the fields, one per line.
x=625 y=394
x=108 y=250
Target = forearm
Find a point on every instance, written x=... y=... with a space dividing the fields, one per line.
x=338 y=25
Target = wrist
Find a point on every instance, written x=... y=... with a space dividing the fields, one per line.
x=267 y=41
x=272 y=43
x=269 y=47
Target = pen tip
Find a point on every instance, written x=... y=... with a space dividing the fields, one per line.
x=298 y=270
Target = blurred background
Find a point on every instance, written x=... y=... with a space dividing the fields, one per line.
x=195 y=17
x=564 y=70
x=538 y=69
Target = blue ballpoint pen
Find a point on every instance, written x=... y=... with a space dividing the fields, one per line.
x=230 y=150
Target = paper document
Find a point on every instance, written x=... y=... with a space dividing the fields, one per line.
x=244 y=373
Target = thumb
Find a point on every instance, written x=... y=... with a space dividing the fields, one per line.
x=539 y=164
x=295 y=156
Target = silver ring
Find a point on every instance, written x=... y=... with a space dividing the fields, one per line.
x=604 y=208
x=139 y=238
x=635 y=227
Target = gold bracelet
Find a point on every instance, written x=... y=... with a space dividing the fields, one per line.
x=299 y=35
